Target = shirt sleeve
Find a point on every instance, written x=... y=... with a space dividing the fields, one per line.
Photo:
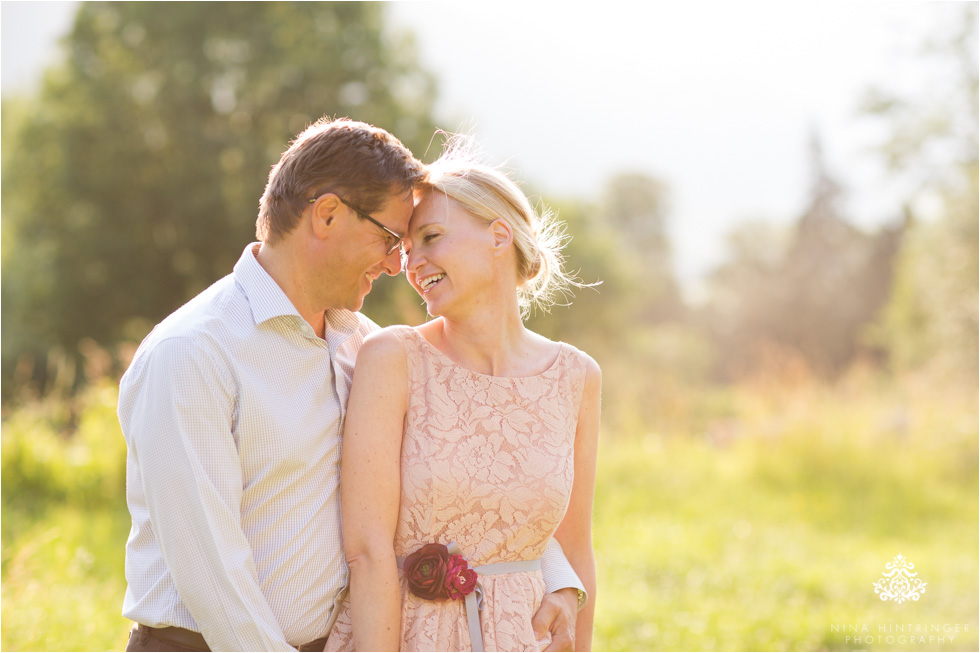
x=179 y=422
x=558 y=573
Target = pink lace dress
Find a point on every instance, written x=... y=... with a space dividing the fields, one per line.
x=487 y=462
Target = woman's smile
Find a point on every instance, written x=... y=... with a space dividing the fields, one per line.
x=428 y=282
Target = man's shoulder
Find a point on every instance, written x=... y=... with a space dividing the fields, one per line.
x=194 y=325
x=218 y=302
x=352 y=342
x=366 y=325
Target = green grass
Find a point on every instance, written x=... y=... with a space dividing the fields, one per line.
x=754 y=519
x=64 y=527
x=773 y=541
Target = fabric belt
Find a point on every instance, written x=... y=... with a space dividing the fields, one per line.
x=474 y=600
x=194 y=640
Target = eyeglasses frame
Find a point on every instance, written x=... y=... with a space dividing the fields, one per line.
x=367 y=216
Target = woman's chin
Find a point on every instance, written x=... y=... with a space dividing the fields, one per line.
x=433 y=311
x=435 y=307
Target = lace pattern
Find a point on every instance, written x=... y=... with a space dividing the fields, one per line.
x=487 y=462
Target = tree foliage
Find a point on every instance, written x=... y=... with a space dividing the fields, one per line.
x=636 y=208
x=828 y=292
x=134 y=181
x=633 y=321
x=810 y=290
x=931 y=320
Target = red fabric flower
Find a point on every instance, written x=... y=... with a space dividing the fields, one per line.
x=460 y=579
x=433 y=574
x=425 y=571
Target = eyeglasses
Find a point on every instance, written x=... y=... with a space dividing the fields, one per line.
x=393 y=239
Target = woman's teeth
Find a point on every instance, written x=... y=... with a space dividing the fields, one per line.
x=430 y=281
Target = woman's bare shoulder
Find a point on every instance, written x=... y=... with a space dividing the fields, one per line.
x=384 y=346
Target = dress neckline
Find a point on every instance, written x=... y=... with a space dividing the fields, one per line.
x=443 y=355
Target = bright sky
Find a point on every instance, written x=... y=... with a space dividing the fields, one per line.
x=717 y=99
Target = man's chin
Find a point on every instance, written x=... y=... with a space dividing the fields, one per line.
x=356 y=306
x=357 y=303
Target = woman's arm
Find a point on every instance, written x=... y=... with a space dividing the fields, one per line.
x=575 y=531
x=370 y=490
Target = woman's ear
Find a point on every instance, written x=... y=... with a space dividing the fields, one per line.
x=324 y=213
x=503 y=235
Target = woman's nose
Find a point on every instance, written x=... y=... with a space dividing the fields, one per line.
x=413 y=260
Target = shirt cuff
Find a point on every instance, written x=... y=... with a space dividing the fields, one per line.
x=558 y=573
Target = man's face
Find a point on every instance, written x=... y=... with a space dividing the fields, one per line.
x=364 y=250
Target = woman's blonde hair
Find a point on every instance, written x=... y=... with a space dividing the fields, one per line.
x=487 y=193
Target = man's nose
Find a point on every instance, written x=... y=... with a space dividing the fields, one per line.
x=392 y=263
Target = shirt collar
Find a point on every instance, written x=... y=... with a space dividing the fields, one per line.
x=267 y=300
x=342 y=321
x=265 y=297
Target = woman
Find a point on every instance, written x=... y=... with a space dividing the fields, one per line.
x=468 y=432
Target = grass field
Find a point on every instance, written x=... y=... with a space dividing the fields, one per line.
x=760 y=525
x=774 y=539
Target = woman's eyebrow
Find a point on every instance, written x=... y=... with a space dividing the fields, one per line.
x=422 y=227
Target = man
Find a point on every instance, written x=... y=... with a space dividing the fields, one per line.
x=233 y=408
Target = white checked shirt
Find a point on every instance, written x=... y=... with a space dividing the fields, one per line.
x=233 y=411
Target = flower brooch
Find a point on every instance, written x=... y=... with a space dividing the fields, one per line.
x=434 y=574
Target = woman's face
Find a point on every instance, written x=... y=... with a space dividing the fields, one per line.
x=449 y=254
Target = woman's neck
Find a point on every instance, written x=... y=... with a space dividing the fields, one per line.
x=491 y=341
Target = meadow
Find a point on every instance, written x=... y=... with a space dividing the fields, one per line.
x=758 y=517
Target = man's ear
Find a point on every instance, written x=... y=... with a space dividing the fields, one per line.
x=502 y=234
x=324 y=214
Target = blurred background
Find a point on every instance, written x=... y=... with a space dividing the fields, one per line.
x=780 y=200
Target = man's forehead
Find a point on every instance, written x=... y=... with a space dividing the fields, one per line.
x=399 y=197
x=397 y=203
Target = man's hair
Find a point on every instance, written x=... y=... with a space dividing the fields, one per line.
x=361 y=163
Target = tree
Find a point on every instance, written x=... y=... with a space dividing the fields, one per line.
x=931 y=319
x=632 y=323
x=135 y=181
x=930 y=322
x=810 y=290
x=635 y=207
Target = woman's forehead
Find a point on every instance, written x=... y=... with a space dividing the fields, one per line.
x=433 y=207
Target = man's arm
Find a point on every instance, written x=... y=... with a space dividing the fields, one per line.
x=565 y=595
x=178 y=420
x=575 y=531
x=558 y=573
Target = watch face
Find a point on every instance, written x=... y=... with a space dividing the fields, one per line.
x=581 y=599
